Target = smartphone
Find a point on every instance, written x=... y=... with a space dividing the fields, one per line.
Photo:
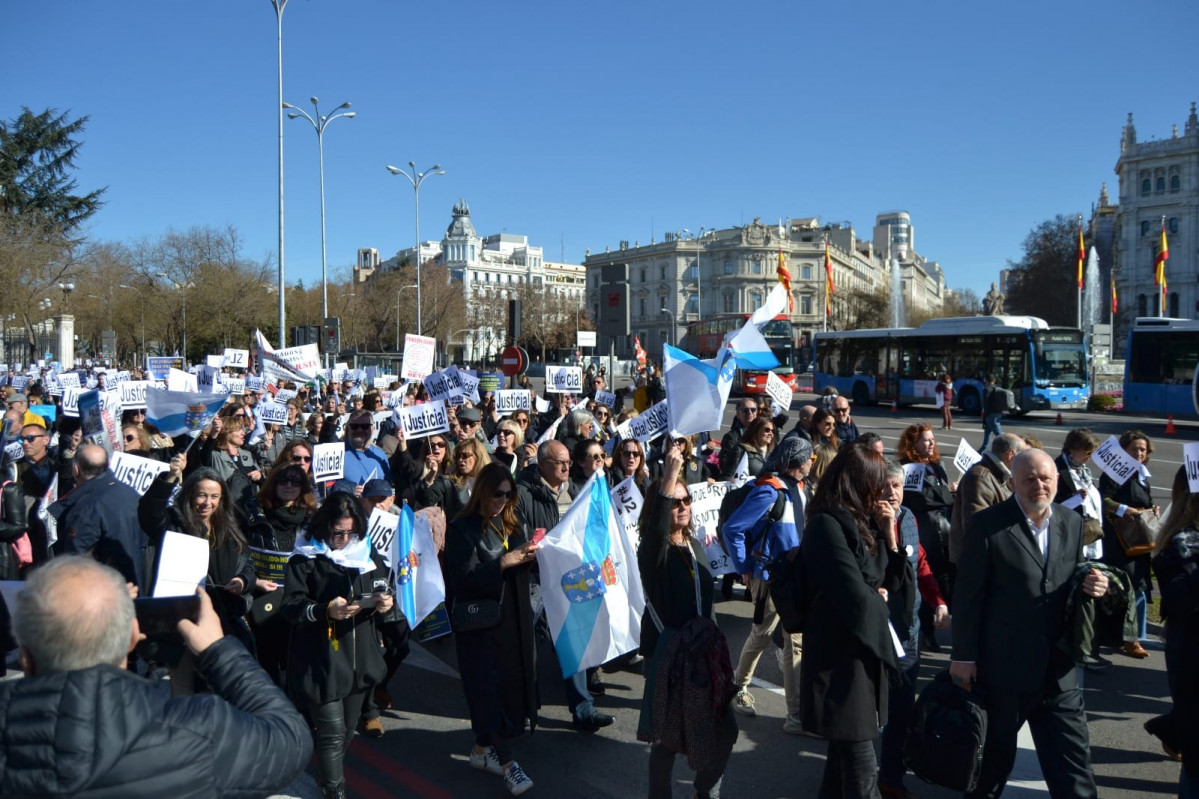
x=538 y=534
x=366 y=601
x=157 y=616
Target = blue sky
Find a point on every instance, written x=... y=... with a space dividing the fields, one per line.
x=582 y=125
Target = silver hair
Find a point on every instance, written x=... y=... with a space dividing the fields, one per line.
x=543 y=449
x=61 y=638
x=576 y=419
x=1008 y=442
x=894 y=470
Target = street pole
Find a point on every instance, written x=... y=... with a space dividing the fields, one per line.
x=279 y=5
x=398 y=290
x=673 y=327
x=417 y=178
x=143 y=298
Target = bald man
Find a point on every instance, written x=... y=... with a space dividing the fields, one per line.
x=123 y=734
x=1015 y=575
x=100 y=516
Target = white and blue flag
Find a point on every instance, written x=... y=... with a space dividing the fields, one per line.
x=696 y=391
x=590 y=584
x=748 y=346
x=175 y=413
x=412 y=558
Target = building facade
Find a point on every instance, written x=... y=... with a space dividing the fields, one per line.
x=1159 y=182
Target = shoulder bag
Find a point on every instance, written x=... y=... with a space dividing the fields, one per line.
x=476 y=615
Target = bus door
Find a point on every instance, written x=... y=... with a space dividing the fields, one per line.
x=887 y=377
x=1011 y=363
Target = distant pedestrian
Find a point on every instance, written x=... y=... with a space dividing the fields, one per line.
x=944 y=392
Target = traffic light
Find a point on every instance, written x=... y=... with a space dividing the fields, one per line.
x=332 y=335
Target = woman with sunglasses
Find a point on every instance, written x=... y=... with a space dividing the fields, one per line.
x=678 y=591
x=757 y=444
x=824 y=428
x=586 y=459
x=470 y=456
x=509 y=443
x=335 y=591
x=487 y=559
x=298 y=453
x=695 y=469
x=603 y=420
x=629 y=461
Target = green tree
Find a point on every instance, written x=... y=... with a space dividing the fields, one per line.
x=37 y=161
x=1044 y=281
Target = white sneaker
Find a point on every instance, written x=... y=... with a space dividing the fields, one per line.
x=792 y=725
x=487 y=760
x=515 y=779
x=743 y=703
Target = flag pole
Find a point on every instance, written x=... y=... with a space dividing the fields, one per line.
x=1081 y=255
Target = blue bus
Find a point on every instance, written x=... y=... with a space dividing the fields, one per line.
x=1159 y=366
x=1045 y=367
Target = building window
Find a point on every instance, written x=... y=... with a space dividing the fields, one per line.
x=1145 y=228
x=755 y=301
x=805 y=272
x=661 y=273
x=1142 y=305
x=643 y=274
x=641 y=307
x=1173 y=225
x=1161 y=184
x=729 y=302
x=805 y=305
x=757 y=267
x=1175 y=183
x=1146 y=183
x=693 y=270
x=692 y=305
x=728 y=267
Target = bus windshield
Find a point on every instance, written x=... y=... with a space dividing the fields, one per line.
x=1061 y=360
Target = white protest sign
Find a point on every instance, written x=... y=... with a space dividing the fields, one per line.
x=236 y=385
x=111 y=401
x=1190 y=459
x=425 y=419
x=509 y=401
x=214 y=361
x=913 y=477
x=285 y=395
x=328 y=462
x=543 y=405
x=133 y=393
x=651 y=424
x=236 y=359
x=439 y=385
x=19 y=383
x=563 y=379
x=627 y=500
x=122 y=376
x=68 y=380
x=70 y=402
x=135 y=471
x=382 y=529
x=779 y=391
x=380 y=382
x=1114 y=461
x=606 y=398
x=305 y=359
x=206 y=379
x=705 y=512
x=271 y=412
x=13 y=452
x=966 y=456
x=182 y=565
x=178 y=380
x=418 y=357
x=469 y=385
x=255 y=383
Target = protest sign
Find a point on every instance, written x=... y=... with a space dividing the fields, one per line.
x=418 y=357
x=913 y=477
x=69 y=379
x=491 y=381
x=1114 y=461
x=563 y=379
x=382 y=529
x=271 y=412
x=236 y=385
x=418 y=421
x=328 y=461
x=70 y=402
x=133 y=393
x=1190 y=459
x=160 y=367
x=121 y=377
x=305 y=359
x=214 y=361
x=236 y=359
x=468 y=385
x=135 y=471
x=705 y=513
x=178 y=380
x=509 y=401
x=966 y=456
x=380 y=382
x=543 y=405
x=255 y=383
x=627 y=500
x=606 y=398
x=284 y=395
x=20 y=382
x=779 y=391
x=651 y=424
x=269 y=564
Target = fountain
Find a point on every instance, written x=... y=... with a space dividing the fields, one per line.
x=1091 y=312
x=897 y=314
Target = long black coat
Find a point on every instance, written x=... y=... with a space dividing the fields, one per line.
x=316 y=671
x=497 y=665
x=847 y=647
x=13 y=525
x=1177 y=569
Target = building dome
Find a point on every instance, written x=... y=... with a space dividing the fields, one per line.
x=461 y=227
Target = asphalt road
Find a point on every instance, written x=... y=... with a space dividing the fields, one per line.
x=424 y=751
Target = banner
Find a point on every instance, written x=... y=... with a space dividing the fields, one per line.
x=328 y=462
x=705 y=514
x=160 y=367
x=966 y=457
x=418 y=357
x=913 y=477
x=416 y=573
x=509 y=401
x=779 y=391
x=70 y=402
x=269 y=564
x=563 y=380
x=271 y=412
x=651 y=424
x=181 y=381
x=425 y=419
x=135 y=471
x=627 y=500
x=606 y=398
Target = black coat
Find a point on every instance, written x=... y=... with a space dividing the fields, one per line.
x=280 y=527
x=933 y=508
x=102 y=512
x=497 y=665
x=13 y=525
x=1134 y=495
x=316 y=671
x=106 y=732
x=1177 y=569
x=847 y=650
x=536 y=504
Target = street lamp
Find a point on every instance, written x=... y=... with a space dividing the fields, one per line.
x=398 y=290
x=319 y=123
x=673 y=326
x=183 y=292
x=66 y=287
x=143 y=298
x=417 y=178
x=279 y=5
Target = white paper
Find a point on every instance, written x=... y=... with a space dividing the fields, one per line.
x=1190 y=459
x=133 y=393
x=271 y=412
x=418 y=357
x=627 y=500
x=779 y=391
x=1114 y=461
x=913 y=477
x=509 y=401
x=328 y=462
x=182 y=565
x=236 y=359
x=606 y=398
x=543 y=405
x=940 y=399
x=899 y=653
x=423 y=420
x=382 y=529
x=135 y=471
x=214 y=361
x=966 y=456
x=181 y=381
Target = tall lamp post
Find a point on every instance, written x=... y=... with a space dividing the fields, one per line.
x=319 y=123
x=183 y=292
x=143 y=298
x=417 y=178
x=279 y=5
x=673 y=326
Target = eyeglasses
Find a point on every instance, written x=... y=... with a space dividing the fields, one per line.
x=436 y=445
x=466 y=423
x=503 y=494
x=290 y=481
x=768 y=430
x=521 y=421
x=131 y=438
x=556 y=462
x=595 y=456
x=747 y=410
x=504 y=433
x=630 y=453
x=31 y=439
x=301 y=459
x=340 y=533
x=358 y=426
x=841 y=410
x=681 y=501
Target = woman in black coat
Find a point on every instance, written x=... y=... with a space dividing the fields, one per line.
x=1132 y=498
x=1176 y=564
x=850 y=568
x=487 y=559
x=335 y=590
x=13 y=525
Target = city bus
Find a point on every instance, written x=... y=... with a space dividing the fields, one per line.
x=707 y=335
x=1045 y=367
x=1159 y=366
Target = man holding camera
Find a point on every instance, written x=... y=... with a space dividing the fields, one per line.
x=87 y=727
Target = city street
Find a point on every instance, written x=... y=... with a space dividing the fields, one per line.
x=428 y=735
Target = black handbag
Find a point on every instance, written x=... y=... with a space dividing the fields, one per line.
x=265 y=607
x=945 y=738
x=476 y=614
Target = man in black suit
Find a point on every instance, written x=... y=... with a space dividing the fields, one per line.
x=1014 y=576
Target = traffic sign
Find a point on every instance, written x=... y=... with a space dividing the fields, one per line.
x=513 y=361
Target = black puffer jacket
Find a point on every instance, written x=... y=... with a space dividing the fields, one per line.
x=13 y=525
x=104 y=732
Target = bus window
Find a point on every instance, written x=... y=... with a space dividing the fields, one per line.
x=828 y=354
x=1181 y=354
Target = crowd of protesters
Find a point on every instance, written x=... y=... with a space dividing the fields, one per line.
x=879 y=559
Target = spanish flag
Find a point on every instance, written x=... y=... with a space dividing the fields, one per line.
x=784 y=276
x=1163 y=255
x=1082 y=253
x=829 y=289
x=1115 y=302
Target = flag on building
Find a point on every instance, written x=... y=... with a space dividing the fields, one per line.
x=784 y=276
x=1082 y=253
x=590 y=584
x=416 y=574
x=696 y=391
x=176 y=413
x=1163 y=255
x=1115 y=302
x=829 y=289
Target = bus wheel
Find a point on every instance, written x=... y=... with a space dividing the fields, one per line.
x=969 y=402
x=861 y=394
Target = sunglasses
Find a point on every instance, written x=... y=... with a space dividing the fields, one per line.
x=595 y=456
x=358 y=426
x=747 y=410
x=31 y=439
x=290 y=481
x=131 y=438
x=301 y=459
x=521 y=421
x=841 y=410
x=503 y=494
x=681 y=501
x=630 y=453
x=436 y=445
x=504 y=433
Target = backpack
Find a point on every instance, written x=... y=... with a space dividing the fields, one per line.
x=736 y=498
x=945 y=738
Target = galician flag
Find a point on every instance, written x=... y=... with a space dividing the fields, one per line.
x=590 y=583
x=412 y=557
x=696 y=390
x=175 y=413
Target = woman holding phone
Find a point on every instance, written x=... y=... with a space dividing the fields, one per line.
x=335 y=590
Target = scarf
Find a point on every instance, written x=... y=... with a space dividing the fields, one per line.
x=354 y=555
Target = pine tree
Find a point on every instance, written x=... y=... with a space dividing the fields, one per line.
x=37 y=159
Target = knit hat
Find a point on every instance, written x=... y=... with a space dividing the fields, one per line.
x=792 y=451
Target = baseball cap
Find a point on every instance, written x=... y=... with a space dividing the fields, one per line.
x=377 y=488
